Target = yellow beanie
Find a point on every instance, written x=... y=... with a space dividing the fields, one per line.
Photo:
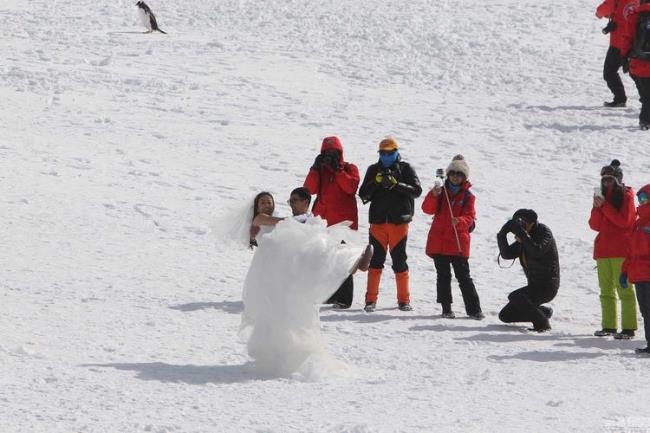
x=388 y=144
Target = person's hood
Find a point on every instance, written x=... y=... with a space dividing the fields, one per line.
x=644 y=211
x=332 y=143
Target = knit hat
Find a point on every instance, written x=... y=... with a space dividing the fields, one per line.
x=458 y=163
x=528 y=215
x=614 y=170
x=388 y=144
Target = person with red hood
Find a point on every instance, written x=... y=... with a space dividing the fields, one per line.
x=636 y=267
x=452 y=205
x=612 y=216
x=335 y=184
x=636 y=48
x=615 y=58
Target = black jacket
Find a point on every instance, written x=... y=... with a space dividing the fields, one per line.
x=394 y=205
x=537 y=254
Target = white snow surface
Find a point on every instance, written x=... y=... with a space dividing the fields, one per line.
x=118 y=150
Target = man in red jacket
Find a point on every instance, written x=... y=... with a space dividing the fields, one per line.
x=636 y=47
x=614 y=10
x=636 y=267
x=335 y=183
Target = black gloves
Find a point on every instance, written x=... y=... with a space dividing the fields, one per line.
x=625 y=63
x=330 y=159
x=516 y=227
x=318 y=162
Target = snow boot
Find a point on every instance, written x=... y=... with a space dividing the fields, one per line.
x=625 y=334
x=402 y=282
x=615 y=104
x=447 y=313
x=404 y=306
x=370 y=307
x=605 y=332
x=372 y=287
x=644 y=126
x=340 y=306
x=477 y=316
x=542 y=326
x=642 y=351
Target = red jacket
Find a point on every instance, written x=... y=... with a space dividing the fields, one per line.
x=637 y=260
x=614 y=227
x=336 y=190
x=441 y=239
x=638 y=68
x=615 y=9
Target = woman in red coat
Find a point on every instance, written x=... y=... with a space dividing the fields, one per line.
x=612 y=216
x=636 y=267
x=449 y=237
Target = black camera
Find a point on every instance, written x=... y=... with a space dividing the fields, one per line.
x=330 y=158
x=610 y=27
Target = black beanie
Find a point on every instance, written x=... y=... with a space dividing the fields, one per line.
x=528 y=215
x=614 y=170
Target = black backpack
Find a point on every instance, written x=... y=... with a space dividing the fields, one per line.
x=466 y=196
x=641 y=45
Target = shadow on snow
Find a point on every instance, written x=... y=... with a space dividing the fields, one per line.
x=190 y=374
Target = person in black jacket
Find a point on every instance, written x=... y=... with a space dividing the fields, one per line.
x=535 y=247
x=390 y=186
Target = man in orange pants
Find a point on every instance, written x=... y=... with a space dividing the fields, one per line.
x=390 y=185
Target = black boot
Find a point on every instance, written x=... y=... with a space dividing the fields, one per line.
x=447 y=313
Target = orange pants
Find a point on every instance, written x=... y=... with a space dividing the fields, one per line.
x=388 y=238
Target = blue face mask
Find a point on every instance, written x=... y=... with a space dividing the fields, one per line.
x=453 y=188
x=643 y=197
x=388 y=160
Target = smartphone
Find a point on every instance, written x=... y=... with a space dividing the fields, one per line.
x=598 y=192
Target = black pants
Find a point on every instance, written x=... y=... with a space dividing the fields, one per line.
x=643 y=86
x=344 y=293
x=613 y=63
x=524 y=305
x=643 y=296
x=461 y=271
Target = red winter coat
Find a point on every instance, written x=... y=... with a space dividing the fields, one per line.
x=336 y=190
x=615 y=9
x=637 y=260
x=614 y=227
x=638 y=68
x=441 y=239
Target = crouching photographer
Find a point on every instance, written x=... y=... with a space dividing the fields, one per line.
x=535 y=248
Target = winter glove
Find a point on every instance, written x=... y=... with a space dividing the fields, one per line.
x=517 y=228
x=625 y=63
x=622 y=279
x=379 y=177
x=318 y=162
x=389 y=181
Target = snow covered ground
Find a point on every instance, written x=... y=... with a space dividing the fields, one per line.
x=118 y=312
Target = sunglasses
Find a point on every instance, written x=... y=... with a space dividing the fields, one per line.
x=387 y=152
x=643 y=197
x=293 y=200
x=456 y=173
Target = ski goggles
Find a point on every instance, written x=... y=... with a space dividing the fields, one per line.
x=643 y=197
x=387 y=152
x=456 y=173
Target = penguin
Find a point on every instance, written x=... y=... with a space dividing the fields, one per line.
x=147 y=17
